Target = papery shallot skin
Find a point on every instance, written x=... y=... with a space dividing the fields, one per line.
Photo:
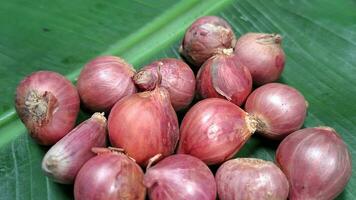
x=316 y=162
x=213 y=130
x=144 y=125
x=207 y=36
x=251 y=178
x=176 y=76
x=110 y=176
x=103 y=81
x=180 y=177
x=64 y=159
x=48 y=104
x=278 y=108
x=262 y=54
x=223 y=77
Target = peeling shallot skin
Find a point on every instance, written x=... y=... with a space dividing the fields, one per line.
x=144 y=125
x=176 y=76
x=180 y=177
x=278 y=108
x=64 y=159
x=262 y=54
x=213 y=130
x=48 y=104
x=207 y=36
x=103 y=81
x=223 y=77
x=251 y=178
x=110 y=176
x=316 y=162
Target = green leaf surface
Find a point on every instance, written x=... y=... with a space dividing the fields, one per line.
x=319 y=41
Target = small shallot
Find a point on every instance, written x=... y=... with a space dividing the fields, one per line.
x=103 y=81
x=207 y=36
x=144 y=124
x=111 y=175
x=223 y=77
x=316 y=162
x=251 y=178
x=278 y=109
x=63 y=161
x=180 y=177
x=262 y=54
x=48 y=104
x=213 y=130
x=176 y=77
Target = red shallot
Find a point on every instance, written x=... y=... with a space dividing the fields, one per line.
x=278 y=109
x=223 y=77
x=110 y=175
x=251 y=178
x=176 y=77
x=63 y=161
x=207 y=36
x=48 y=104
x=180 y=177
x=103 y=81
x=262 y=54
x=213 y=130
x=316 y=162
x=144 y=124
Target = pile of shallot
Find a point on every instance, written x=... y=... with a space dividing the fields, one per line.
x=133 y=145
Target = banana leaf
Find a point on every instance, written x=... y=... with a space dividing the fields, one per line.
x=319 y=41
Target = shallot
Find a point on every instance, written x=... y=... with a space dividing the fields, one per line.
x=110 y=175
x=103 y=81
x=316 y=162
x=144 y=124
x=251 y=178
x=278 y=109
x=222 y=76
x=48 y=104
x=180 y=177
x=207 y=36
x=174 y=75
x=262 y=54
x=213 y=130
x=63 y=161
